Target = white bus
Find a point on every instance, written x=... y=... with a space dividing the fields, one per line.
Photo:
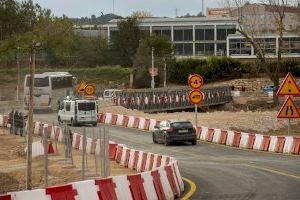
x=49 y=89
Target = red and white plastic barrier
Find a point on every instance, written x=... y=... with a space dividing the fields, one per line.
x=159 y=177
x=259 y=142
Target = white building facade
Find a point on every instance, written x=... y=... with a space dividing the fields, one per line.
x=192 y=37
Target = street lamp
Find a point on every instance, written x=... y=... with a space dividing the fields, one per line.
x=18 y=66
x=34 y=47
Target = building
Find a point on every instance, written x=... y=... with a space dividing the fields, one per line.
x=239 y=47
x=261 y=17
x=195 y=36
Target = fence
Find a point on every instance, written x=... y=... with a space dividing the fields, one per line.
x=161 y=99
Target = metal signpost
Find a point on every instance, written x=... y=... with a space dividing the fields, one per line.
x=288 y=110
x=196 y=96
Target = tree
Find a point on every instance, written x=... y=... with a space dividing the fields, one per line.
x=125 y=41
x=163 y=52
x=141 y=14
x=249 y=26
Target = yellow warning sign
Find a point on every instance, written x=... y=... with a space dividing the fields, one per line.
x=288 y=110
x=196 y=97
x=90 y=89
x=195 y=81
x=81 y=87
x=288 y=86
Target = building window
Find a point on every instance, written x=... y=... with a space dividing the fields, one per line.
x=239 y=47
x=267 y=45
x=204 y=49
x=221 y=49
x=204 y=33
x=183 y=33
x=224 y=31
x=291 y=45
x=162 y=31
x=184 y=49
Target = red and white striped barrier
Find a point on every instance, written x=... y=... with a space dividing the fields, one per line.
x=259 y=142
x=159 y=177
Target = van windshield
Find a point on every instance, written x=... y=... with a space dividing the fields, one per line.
x=86 y=106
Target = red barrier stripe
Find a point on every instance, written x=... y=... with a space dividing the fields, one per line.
x=136 y=187
x=157 y=185
x=107 y=189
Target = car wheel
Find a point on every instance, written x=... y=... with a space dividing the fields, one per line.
x=194 y=142
x=166 y=143
x=59 y=120
x=73 y=123
x=154 y=139
x=95 y=124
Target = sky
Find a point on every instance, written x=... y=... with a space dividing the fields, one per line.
x=159 y=8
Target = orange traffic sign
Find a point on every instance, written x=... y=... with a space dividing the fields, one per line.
x=81 y=87
x=288 y=86
x=90 y=89
x=195 y=81
x=288 y=110
x=196 y=97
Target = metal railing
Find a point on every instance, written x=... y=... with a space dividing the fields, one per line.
x=164 y=99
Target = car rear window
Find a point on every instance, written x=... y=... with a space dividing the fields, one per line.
x=86 y=106
x=182 y=125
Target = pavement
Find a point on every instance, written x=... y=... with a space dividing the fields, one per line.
x=219 y=172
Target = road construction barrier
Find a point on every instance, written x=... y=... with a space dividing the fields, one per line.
x=160 y=99
x=159 y=177
x=278 y=144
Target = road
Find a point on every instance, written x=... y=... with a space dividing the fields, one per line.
x=221 y=172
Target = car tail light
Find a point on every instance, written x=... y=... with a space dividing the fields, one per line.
x=169 y=130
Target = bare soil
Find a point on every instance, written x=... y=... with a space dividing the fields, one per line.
x=13 y=166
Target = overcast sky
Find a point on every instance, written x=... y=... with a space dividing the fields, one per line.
x=82 y=8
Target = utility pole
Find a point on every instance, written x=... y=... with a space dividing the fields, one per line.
x=18 y=65
x=152 y=80
x=30 y=118
x=165 y=73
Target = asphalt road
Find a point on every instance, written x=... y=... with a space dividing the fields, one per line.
x=221 y=172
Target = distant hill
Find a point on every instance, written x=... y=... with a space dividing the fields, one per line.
x=93 y=20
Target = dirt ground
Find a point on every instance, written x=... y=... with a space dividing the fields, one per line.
x=13 y=166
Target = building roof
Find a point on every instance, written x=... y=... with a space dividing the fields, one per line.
x=153 y=20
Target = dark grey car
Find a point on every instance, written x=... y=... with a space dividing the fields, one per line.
x=174 y=131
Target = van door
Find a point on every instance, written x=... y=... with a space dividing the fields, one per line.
x=67 y=113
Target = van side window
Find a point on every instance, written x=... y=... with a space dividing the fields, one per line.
x=68 y=106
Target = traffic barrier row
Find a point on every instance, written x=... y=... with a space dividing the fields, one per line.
x=259 y=142
x=158 y=178
x=169 y=99
x=128 y=121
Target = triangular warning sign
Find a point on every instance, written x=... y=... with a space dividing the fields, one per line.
x=81 y=86
x=288 y=86
x=288 y=109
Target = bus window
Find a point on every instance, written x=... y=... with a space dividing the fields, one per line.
x=38 y=82
x=61 y=82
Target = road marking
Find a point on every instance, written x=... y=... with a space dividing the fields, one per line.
x=273 y=171
x=192 y=189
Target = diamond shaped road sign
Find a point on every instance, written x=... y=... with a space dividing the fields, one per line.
x=288 y=86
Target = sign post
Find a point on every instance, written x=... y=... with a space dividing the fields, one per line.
x=288 y=110
x=196 y=96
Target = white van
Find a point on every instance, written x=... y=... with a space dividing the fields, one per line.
x=108 y=93
x=76 y=112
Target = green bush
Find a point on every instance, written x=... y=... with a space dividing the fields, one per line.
x=212 y=69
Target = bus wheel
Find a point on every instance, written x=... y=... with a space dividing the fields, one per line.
x=95 y=124
x=59 y=121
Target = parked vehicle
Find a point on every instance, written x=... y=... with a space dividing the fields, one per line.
x=78 y=111
x=268 y=88
x=174 y=130
x=109 y=93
